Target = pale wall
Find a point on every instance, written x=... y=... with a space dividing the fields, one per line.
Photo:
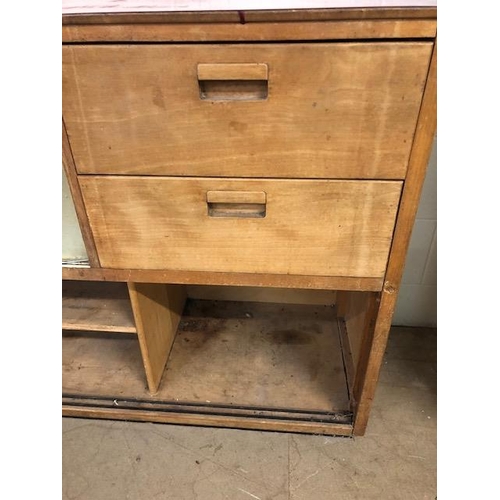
x=417 y=297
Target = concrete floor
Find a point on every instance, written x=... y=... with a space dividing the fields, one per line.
x=396 y=459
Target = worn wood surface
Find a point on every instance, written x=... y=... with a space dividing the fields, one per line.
x=254 y=16
x=239 y=422
x=267 y=31
x=357 y=316
x=233 y=90
x=229 y=197
x=157 y=310
x=364 y=336
x=339 y=13
x=227 y=353
x=339 y=417
x=256 y=294
x=163 y=223
x=233 y=71
x=360 y=318
x=357 y=313
x=254 y=26
x=345 y=348
x=342 y=303
x=365 y=389
x=96 y=306
x=225 y=279
x=333 y=110
x=81 y=214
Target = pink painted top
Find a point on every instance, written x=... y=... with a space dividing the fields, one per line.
x=105 y=6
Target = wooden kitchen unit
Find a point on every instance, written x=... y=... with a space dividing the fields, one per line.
x=245 y=183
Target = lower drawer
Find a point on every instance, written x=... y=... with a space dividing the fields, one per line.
x=304 y=227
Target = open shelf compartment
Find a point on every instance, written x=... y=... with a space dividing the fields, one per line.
x=239 y=364
x=96 y=307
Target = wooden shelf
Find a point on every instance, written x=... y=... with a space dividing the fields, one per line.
x=97 y=307
x=230 y=360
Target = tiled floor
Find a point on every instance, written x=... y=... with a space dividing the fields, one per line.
x=396 y=459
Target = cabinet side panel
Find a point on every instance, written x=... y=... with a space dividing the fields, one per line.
x=422 y=145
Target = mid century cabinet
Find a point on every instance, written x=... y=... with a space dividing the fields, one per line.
x=245 y=182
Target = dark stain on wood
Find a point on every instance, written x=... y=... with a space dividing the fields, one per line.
x=158 y=99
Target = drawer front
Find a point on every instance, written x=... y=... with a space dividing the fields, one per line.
x=303 y=227
x=336 y=110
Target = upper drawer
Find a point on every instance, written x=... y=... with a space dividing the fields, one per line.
x=336 y=110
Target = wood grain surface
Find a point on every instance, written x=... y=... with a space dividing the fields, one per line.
x=192 y=112
x=338 y=228
x=273 y=281
x=358 y=319
x=249 y=421
x=268 y=356
x=333 y=110
x=98 y=307
x=255 y=294
x=157 y=310
x=365 y=387
x=265 y=31
x=251 y=16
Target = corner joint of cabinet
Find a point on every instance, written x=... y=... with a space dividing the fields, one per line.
x=390 y=287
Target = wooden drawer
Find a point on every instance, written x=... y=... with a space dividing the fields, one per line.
x=322 y=110
x=303 y=227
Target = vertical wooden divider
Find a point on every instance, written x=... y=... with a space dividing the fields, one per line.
x=157 y=311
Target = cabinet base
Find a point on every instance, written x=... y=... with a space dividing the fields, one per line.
x=335 y=424
x=246 y=365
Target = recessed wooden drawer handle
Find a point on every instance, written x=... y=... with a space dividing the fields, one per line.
x=242 y=204
x=233 y=82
